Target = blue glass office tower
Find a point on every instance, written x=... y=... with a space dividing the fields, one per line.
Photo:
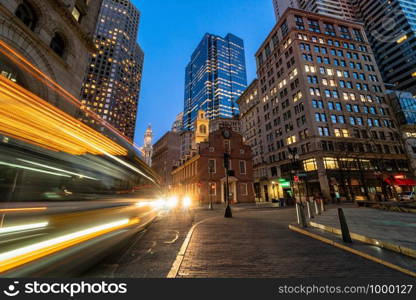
x=391 y=30
x=215 y=78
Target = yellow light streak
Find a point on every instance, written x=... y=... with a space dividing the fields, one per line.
x=15 y=258
x=112 y=156
x=26 y=209
x=24 y=227
x=30 y=118
x=24 y=64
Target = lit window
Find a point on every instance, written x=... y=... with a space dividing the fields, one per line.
x=76 y=14
x=310 y=165
x=330 y=163
x=291 y=140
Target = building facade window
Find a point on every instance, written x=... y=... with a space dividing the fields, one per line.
x=310 y=165
x=243 y=167
x=27 y=15
x=58 y=44
x=244 y=189
x=212 y=166
x=212 y=189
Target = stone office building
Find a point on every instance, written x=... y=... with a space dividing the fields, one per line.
x=324 y=112
x=55 y=36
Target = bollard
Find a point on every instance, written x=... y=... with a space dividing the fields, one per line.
x=302 y=215
x=346 y=237
x=298 y=212
x=322 y=205
x=312 y=209
x=308 y=205
x=316 y=208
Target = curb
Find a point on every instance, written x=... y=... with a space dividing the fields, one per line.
x=173 y=273
x=351 y=250
x=358 y=237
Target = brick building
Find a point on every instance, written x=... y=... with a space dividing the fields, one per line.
x=166 y=154
x=203 y=176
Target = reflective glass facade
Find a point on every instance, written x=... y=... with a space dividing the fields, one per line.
x=404 y=105
x=215 y=78
x=391 y=28
x=112 y=84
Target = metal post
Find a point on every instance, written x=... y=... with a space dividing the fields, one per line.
x=316 y=208
x=302 y=215
x=312 y=209
x=346 y=237
x=228 y=212
x=322 y=205
x=308 y=206
x=298 y=213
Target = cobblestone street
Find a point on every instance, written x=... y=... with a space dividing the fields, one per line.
x=256 y=243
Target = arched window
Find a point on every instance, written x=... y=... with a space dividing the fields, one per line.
x=203 y=129
x=58 y=44
x=27 y=15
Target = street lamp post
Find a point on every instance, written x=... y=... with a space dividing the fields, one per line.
x=228 y=212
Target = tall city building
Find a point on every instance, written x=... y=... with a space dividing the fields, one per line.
x=112 y=84
x=391 y=29
x=324 y=113
x=215 y=78
x=250 y=121
x=177 y=125
x=332 y=8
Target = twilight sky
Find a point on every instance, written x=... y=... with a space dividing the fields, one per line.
x=169 y=32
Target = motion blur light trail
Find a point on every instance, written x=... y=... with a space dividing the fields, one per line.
x=25 y=116
x=56 y=169
x=25 y=65
x=18 y=257
x=13 y=229
x=32 y=169
x=70 y=184
x=26 y=209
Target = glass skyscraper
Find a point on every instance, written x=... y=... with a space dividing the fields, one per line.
x=391 y=29
x=215 y=78
x=112 y=85
x=331 y=8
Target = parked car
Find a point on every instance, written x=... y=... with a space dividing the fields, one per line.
x=407 y=196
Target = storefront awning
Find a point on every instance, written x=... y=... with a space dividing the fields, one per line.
x=401 y=182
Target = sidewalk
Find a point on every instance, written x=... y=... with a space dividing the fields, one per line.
x=388 y=238
x=256 y=243
x=392 y=227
